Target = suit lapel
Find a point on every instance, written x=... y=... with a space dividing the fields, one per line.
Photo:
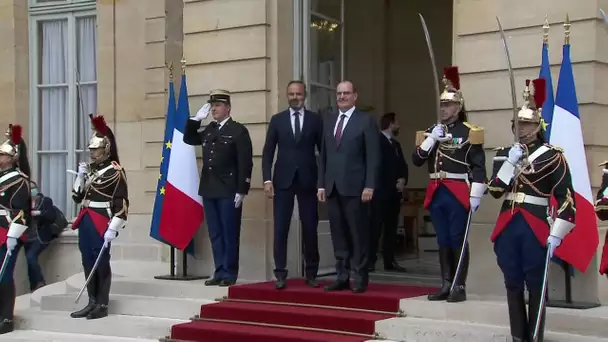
x=350 y=126
x=287 y=124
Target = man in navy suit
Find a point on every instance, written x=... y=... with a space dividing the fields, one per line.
x=295 y=131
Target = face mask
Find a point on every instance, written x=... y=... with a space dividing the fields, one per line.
x=34 y=192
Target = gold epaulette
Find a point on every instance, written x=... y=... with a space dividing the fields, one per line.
x=23 y=175
x=419 y=137
x=604 y=163
x=476 y=134
x=558 y=149
x=116 y=166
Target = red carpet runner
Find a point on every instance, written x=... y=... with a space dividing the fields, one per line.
x=257 y=313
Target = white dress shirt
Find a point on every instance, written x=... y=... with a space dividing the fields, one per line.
x=292 y=118
x=348 y=114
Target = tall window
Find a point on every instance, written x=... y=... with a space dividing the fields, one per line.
x=63 y=71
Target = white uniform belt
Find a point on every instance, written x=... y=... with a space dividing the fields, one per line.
x=95 y=205
x=520 y=197
x=4 y=212
x=448 y=175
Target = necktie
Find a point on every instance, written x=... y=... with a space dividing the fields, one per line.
x=297 y=126
x=339 y=129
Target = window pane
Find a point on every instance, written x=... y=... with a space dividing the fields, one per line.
x=54 y=49
x=325 y=51
x=86 y=42
x=329 y=8
x=322 y=100
x=52 y=178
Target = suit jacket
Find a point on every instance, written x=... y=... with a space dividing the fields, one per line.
x=293 y=156
x=227 y=158
x=352 y=165
x=392 y=167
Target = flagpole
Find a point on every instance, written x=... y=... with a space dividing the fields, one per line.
x=173 y=263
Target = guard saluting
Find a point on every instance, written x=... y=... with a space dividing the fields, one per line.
x=101 y=190
x=453 y=151
x=14 y=221
x=225 y=180
x=526 y=174
x=601 y=208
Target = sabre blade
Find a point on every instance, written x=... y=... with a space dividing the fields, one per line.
x=4 y=264
x=512 y=80
x=543 y=296
x=86 y=283
x=434 y=66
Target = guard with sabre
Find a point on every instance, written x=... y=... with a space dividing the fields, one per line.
x=526 y=174
x=15 y=218
x=601 y=209
x=101 y=190
x=453 y=152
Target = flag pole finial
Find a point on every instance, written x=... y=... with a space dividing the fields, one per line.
x=567 y=29
x=183 y=65
x=546 y=31
x=170 y=67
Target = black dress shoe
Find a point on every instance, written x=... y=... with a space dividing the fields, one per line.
x=6 y=326
x=100 y=311
x=280 y=284
x=359 y=288
x=213 y=282
x=84 y=312
x=338 y=286
x=311 y=282
x=394 y=267
x=225 y=282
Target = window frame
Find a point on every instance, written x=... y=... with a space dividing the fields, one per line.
x=70 y=10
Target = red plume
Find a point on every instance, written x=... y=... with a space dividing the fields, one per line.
x=99 y=124
x=451 y=73
x=16 y=132
x=540 y=92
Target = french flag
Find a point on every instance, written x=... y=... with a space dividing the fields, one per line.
x=178 y=208
x=580 y=246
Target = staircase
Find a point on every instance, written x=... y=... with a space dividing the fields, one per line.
x=143 y=309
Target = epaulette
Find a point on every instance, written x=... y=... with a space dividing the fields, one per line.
x=553 y=147
x=420 y=137
x=476 y=134
x=116 y=166
x=604 y=163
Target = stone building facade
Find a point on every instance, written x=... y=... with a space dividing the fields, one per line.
x=253 y=48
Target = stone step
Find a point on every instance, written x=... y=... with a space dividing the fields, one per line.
x=113 y=325
x=590 y=322
x=430 y=330
x=164 y=307
x=151 y=287
x=45 y=336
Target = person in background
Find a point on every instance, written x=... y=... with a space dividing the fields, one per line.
x=38 y=237
x=601 y=209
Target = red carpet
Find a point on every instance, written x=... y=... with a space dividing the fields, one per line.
x=250 y=306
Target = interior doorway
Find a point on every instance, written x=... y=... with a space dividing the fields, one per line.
x=380 y=47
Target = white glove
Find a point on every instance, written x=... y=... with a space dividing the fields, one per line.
x=82 y=170
x=11 y=243
x=475 y=202
x=35 y=212
x=238 y=200
x=437 y=133
x=553 y=242
x=109 y=235
x=203 y=112
x=515 y=154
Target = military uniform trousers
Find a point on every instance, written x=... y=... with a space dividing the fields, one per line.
x=7 y=284
x=90 y=243
x=224 y=225
x=449 y=218
x=521 y=258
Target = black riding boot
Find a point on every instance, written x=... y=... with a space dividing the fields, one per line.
x=459 y=294
x=91 y=292
x=534 y=304
x=447 y=274
x=517 y=316
x=7 y=306
x=104 y=280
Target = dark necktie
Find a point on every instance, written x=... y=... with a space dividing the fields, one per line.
x=297 y=126
x=339 y=129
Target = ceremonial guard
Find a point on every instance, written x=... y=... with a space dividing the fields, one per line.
x=225 y=181
x=14 y=221
x=453 y=151
x=23 y=163
x=101 y=190
x=601 y=208
x=526 y=175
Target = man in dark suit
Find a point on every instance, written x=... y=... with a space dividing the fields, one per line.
x=225 y=181
x=386 y=203
x=350 y=159
x=296 y=131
